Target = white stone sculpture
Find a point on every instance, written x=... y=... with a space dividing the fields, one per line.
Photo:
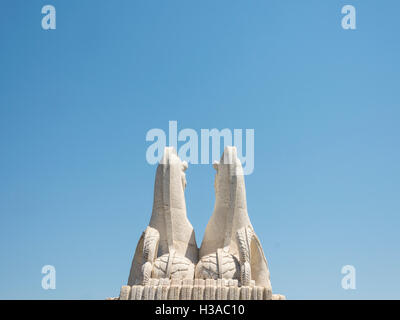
x=230 y=248
x=232 y=264
x=167 y=249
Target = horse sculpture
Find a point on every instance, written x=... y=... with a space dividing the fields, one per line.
x=230 y=247
x=166 y=261
x=167 y=249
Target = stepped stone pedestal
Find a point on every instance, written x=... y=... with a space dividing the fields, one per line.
x=197 y=289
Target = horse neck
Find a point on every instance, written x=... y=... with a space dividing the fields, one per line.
x=169 y=206
x=231 y=207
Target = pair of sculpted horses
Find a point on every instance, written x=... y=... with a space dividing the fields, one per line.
x=230 y=249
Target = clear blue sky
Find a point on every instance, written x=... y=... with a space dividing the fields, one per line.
x=76 y=103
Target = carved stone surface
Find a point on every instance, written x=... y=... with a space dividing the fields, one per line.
x=166 y=263
x=198 y=289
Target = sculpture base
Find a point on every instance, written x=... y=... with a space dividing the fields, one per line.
x=198 y=289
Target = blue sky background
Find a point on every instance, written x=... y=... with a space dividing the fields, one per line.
x=76 y=103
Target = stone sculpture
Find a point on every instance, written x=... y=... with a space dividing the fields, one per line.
x=167 y=249
x=230 y=248
x=166 y=262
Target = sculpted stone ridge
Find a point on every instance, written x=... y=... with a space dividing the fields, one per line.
x=166 y=262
